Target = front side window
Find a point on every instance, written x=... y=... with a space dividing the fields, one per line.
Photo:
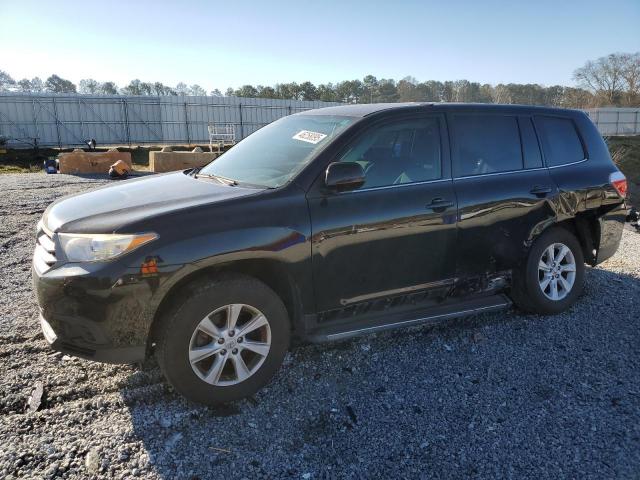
x=274 y=154
x=398 y=153
x=560 y=140
x=486 y=144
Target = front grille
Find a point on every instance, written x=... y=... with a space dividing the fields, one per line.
x=45 y=255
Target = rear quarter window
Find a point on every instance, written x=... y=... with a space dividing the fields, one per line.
x=486 y=144
x=560 y=140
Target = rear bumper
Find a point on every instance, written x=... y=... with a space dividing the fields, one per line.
x=611 y=227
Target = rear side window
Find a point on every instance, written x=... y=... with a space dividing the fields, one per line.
x=486 y=144
x=560 y=140
x=530 y=147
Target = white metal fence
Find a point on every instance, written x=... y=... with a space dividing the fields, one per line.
x=616 y=121
x=70 y=120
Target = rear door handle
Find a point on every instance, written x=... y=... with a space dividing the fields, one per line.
x=439 y=204
x=540 y=190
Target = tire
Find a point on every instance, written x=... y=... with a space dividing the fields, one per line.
x=184 y=335
x=528 y=281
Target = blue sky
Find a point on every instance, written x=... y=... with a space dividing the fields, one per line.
x=222 y=44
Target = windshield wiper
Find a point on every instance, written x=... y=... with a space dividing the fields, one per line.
x=229 y=181
x=223 y=180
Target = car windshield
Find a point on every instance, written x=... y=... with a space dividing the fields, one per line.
x=274 y=154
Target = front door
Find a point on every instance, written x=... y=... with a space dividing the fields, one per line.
x=397 y=233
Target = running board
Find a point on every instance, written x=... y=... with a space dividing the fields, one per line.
x=382 y=321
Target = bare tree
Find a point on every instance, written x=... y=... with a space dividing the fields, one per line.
x=631 y=76
x=501 y=94
x=604 y=77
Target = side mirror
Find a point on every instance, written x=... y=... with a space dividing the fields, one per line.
x=344 y=176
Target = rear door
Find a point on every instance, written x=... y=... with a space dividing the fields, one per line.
x=396 y=234
x=504 y=191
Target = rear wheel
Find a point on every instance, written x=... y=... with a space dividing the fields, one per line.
x=224 y=340
x=552 y=278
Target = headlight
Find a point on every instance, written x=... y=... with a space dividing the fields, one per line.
x=95 y=247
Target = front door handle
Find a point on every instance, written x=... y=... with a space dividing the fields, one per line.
x=540 y=190
x=439 y=204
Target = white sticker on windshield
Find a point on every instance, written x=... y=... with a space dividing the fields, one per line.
x=310 y=137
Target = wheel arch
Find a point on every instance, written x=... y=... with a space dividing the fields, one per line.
x=584 y=226
x=272 y=273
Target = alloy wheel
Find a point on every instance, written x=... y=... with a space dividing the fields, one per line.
x=230 y=344
x=556 y=271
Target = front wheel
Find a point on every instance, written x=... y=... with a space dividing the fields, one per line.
x=552 y=278
x=223 y=340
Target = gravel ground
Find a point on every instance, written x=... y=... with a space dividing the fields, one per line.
x=501 y=395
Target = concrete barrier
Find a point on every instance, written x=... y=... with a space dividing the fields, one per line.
x=80 y=161
x=168 y=161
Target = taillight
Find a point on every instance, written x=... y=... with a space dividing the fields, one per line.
x=619 y=182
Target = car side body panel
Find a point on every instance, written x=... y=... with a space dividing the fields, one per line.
x=106 y=310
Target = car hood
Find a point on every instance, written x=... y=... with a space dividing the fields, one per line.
x=110 y=208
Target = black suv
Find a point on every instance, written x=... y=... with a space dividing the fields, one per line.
x=328 y=224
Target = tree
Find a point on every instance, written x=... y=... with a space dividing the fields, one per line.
x=6 y=82
x=182 y=89
x=631 y=76
x=576 y=98
x=553 y=96
x=160 y=89
x=501 y=94
x=433 y=91
x=308 y=91
x=146 y=88
x=24 y=85
x=88 y=86
x=246 y=91
x=288 y=91
x=36 y=85
x=55 y=84
x=197 y=90
x=370 y=84
x=610 y=80
x=350 y=91
x=133 y=88
x=326 y=93
x=486 y=93
x=408 y=91
x=604 y=77
x=108 y=88
x=448 y=93
x=266 y=92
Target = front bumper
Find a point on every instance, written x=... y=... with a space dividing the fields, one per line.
x=99 y=312
x=102 y=353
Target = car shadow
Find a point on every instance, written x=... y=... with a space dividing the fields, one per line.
x=483 y=395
